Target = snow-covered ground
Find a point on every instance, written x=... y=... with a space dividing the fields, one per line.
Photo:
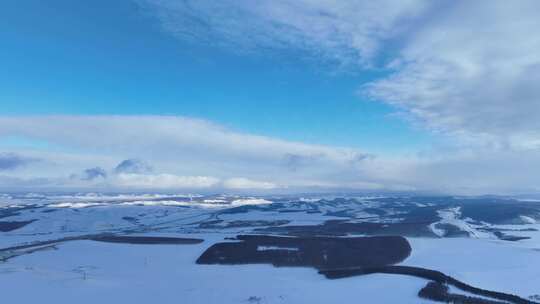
x=490 y=264
x=119 y=273
x=452 y=216
x=92 y=272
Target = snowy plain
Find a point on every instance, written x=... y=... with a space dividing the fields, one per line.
x=120 y=273
x=85 y=271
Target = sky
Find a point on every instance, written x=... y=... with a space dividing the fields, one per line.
x=270 y=96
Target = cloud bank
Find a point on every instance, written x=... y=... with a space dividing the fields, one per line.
x=472 y=71
x=133 y=166
x=12 y=161
x=94 y=173
x=175 y=153
x=469 y=69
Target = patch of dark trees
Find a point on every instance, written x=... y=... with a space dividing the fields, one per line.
x=498 y=232
x=432 y=275
x=494 y=210
x=14 y=211
x=490 y=229
x=17 y=250
x=51 y=210
x=13 y=225
x=506 y=237
x=500 y=212
x=348 y=213
x=343 y=228
x=249 y=208
x=144 y=240
x=451 y=230
x=318 y=252
x=131 y=220
x=220 y=224
x=436 y=291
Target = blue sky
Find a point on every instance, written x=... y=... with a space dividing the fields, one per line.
x=289 y=95
x=71 y=57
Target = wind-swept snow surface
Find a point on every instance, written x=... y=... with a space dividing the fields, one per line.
x=91 y=272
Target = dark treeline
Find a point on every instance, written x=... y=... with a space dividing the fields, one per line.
x=417 y=228
x=317 y=252
x=16 y=210
x=429 y=274
x=104 y=237
x=148 y=240
x=439 y=292
x=13 y=225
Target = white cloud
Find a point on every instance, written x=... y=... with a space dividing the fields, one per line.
x=12 y=161
x=476 y=171
x=182 y=148
x=466 y=68
x=194 y=154
x=163 y=181
x=168 y=136
x=346 y=31
x=244 y=183
x=133 y=166
x=473 y=70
